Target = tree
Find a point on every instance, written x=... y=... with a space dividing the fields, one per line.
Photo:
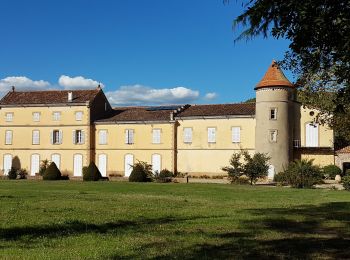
x=319 y=32
x=254 y=167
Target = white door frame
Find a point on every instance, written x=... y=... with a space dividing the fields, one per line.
x=128 y=162
x=78 y=165
x=156 y=162
x=7 y=163
x=34 y=166
x=102 y=164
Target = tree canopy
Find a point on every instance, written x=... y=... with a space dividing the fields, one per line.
x=319 y=50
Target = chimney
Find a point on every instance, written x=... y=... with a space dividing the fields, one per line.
x=99 y=87
x=70 y=96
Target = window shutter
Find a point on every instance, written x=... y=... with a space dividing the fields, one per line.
x=83 y=137
x=236 y=134
x=51 y=136
x=131 y=136
x=74 y=137
x=126 y=136
x=60 y=137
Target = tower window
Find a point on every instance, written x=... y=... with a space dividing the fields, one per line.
x=273 y=136
x=273 y=113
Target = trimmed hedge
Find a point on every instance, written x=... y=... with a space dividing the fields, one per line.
x=141 y=172
x=164 y=176
x=346 y=182
x=330 y=171
x=91 y=173
x=12 y=174
x=52 y=173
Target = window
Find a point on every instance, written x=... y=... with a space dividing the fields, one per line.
x=56 y=158
x=36 y=137
x=78 y=137
x=102 y=137
x=236 y=134
x=156 y=136
x=187 y=135
x=36 y=116
x=273 y=136
x=56 y=116
x=8 y=137
x=56 y=137
x=78 y=116
x=9 y=117
x=211 y=135
x=273 y=113
x=129 y=136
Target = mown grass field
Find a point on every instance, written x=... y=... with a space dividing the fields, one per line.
x=111 y=220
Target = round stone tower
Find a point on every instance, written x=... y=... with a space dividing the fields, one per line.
x=273 y=133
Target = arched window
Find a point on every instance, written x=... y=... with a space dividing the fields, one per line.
x=56 y=158
x=102 y=164
x=128 y=163
x=156 y=163
x=34 y=164
x=78 y=165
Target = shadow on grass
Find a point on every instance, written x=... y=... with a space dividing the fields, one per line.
x=306 y=232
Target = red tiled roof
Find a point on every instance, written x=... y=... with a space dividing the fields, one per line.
x=128 y=114
x=344 y=150
x=47 y=97
x=274 y=77
x=219 y=110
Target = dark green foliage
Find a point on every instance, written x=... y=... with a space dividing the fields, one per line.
x=52 y=173
x=65 y=177
x=22 y=173
x=164 y=176
x=91 y=173
x=43 y=166
x=253 y=167
x=347 y=172
x=346 y=182
x=141 y=172
x=300 y=174
x=250 y=100
x=12 y=174
x=330 y=171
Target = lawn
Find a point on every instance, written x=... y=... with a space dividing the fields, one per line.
x=113 y=220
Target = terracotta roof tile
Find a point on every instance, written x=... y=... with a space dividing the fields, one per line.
x=127 y=114
x=274 y=77
x=47 y=97
x=219 y=110
x=344 y=150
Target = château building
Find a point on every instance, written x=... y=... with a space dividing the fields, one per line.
x=72 y=128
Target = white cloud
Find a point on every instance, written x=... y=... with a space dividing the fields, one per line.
x=142 y=95
x=22 y=83
x=210 y=95
x=78 y=82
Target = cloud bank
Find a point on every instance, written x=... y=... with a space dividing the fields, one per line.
x=143 y=95
x=78 y=82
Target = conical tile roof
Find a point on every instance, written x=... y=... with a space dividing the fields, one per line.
x=274 y=77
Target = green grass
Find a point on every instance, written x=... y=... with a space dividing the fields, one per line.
x=111 y=220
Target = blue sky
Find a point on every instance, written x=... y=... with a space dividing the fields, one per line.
x=142 y=51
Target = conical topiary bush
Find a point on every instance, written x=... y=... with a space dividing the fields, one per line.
x=91 y=173
x=52 y=173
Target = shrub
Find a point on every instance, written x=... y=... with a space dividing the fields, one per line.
x=347 y=172
x=141 y=172
x=91 y=173
x=12 y=174
x=300 y=174
x=330 y=171
x=52 y=173
x=164 y=176
x=346 y=182
x=43 y=166
x=253 y=167
x=22 y=173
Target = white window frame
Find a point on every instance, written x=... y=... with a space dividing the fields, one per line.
x=211 y=135
x=102 y=139
x=56 y=136
x=79 y=116
x=78 y=136
x=187 y=135
x=56 y=116
x=274 y=115
x=129 y=136
x=236 y=134
x=35 y=137
x=9 y=117
x=8 y=137
x=156 y=135
x=273 y=133
x=36 y=116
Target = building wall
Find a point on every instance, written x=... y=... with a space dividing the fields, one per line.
x=23 y=125
x=142 y=149
x=201 y=157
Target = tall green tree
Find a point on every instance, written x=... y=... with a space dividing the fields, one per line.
x=319 y=50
